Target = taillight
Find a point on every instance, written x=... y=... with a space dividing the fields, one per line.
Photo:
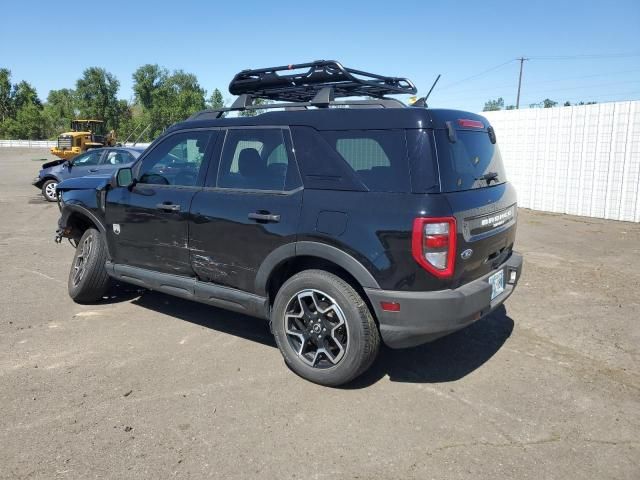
x=433 y=244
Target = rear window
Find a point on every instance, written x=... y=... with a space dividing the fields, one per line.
x=472 y=161
x=378 y=157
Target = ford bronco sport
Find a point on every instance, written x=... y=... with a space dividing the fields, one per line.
x=341 y=222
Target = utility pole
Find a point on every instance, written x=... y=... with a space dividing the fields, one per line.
x=522 y=59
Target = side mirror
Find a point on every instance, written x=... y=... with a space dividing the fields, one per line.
x=124 y=178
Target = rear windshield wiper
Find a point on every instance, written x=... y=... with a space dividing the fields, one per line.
x=488 y=177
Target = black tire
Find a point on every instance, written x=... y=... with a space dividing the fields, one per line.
x=88 y=278
x=49 y=189
x=351 y=315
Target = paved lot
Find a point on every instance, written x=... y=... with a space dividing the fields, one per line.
x=148 y=386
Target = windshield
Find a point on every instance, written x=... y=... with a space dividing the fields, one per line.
x=472 y=161
x=87 y=126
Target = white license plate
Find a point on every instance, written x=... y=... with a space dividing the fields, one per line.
x=497 y=283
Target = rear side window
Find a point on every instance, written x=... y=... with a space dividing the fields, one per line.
x=378 y=157
x=471 y=161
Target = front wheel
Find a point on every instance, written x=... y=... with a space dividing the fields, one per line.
x=49 y=190
x=88 y=278
x=323 y=328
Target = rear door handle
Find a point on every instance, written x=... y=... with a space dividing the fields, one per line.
x=264 y=217
x=93 y=170
x=168 y=207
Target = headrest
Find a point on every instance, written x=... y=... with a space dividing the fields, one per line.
x=250 y=163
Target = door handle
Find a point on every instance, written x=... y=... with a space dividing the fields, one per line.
x=169 y=207
x=264 y=217
x=93 y=170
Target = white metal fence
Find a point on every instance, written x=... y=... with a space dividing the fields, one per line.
x=28 y=143
x=582 y=160
x=49 y=144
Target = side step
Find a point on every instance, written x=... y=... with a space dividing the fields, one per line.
x=192 y=289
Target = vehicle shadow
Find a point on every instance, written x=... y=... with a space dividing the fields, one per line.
x=444 y=360
x=121 y=292
x=217 y=319
x=447 y=359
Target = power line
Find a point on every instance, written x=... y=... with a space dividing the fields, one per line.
x=555 y=80
x=478 y=74
x=543 y=57
x=586 y=57
x=546 y=91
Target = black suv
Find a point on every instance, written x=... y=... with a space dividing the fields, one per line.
x=340 y=222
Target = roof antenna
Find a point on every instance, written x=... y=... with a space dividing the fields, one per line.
x=422 y=102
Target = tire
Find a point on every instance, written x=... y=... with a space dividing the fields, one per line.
x=88 y=278
x=334 y=338
x=49 y=190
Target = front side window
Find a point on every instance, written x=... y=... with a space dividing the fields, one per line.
x=87 y=159
x=176 y=161
x=255 y=159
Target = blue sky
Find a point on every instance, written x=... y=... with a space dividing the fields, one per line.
x=416 y=39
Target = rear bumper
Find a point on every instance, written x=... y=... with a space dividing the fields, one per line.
x=425 y=316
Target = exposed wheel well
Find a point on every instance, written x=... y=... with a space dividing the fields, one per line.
x=79 y=223
x=290 y=267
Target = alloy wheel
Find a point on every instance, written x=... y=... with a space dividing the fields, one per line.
x=316 y=328
x=50 y=191
x=80 y=264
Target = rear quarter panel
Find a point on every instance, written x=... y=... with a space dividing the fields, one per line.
x=374 y=228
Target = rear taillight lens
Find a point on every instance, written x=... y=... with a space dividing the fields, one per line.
x=434 y=244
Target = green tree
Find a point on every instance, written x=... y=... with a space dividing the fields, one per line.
x=59 y=110
x=164 y=99
x=216 y=101
x=24 y=94
x=27 y=125
x=22 y=110
x=96 y=96
x=6 y=99
x=493 y=105
x=548 y=103
x=146 y=81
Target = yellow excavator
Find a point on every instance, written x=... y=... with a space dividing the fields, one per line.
x=84 y=135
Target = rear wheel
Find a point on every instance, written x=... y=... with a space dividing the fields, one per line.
x=88 y=278
x=49 y=190
x=323 y=328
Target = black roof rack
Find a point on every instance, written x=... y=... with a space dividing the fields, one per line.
x=245 y=102
x=275 y=84
x=319 y=86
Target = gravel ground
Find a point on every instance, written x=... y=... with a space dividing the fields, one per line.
x=149 y=386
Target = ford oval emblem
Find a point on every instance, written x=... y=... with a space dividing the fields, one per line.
x=466 y=255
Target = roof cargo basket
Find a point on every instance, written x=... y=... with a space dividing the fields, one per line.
x=318 y=86
x=275 y=83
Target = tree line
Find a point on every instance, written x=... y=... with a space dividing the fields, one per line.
x=498 y=104
x=161 y=98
